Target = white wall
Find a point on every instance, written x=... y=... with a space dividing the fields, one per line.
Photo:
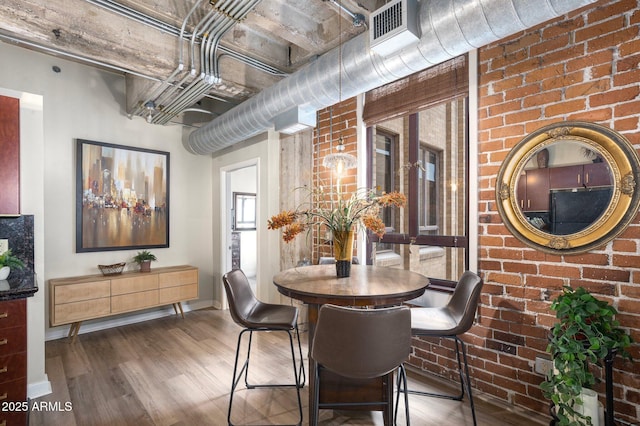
x=86 y=103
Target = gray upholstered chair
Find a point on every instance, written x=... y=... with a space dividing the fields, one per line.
x=451 y=321
x=253 y=315
x=360 y=344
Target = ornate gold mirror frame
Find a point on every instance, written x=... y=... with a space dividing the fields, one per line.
x=544 y=228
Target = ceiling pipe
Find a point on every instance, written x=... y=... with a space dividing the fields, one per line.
x=448 y=29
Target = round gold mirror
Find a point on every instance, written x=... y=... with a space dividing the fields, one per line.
x=569 y=187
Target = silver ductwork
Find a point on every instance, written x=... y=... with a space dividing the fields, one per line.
x=448 y=28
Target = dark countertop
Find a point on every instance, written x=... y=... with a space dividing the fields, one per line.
x=18 y=285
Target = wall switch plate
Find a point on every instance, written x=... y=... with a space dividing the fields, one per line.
x=543 y=365
x=4 y=245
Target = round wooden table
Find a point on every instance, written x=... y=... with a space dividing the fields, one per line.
x=367 y=286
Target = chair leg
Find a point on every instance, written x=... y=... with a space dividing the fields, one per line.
x=402 y=381
x=465 y=381
x=246 y=363
x=468 y=380
x=301 y=372
x=236 y=376
x=298 y=373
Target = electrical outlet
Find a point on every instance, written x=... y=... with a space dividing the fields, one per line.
x=543 y=365
x=4 y=245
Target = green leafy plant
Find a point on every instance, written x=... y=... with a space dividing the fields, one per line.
x=143 y=256
x=586 y=334
x=8 y=259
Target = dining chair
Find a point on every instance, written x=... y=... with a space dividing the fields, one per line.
x=450 y=321
x=360 y=344
x=253 y=316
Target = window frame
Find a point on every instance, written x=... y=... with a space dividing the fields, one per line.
x=413 y=236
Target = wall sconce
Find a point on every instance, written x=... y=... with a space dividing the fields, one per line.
x=295 y=119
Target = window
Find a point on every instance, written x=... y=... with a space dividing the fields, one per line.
x=429 y=182
x=418 y=145
x=244 y=211
x=386 y=157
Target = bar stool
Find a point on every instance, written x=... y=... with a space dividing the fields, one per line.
x=451 y=321
x=360 y=344
x=254 y=315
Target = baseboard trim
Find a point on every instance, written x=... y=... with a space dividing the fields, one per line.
x=36 y=390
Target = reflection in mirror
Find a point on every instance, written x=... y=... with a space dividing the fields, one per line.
x=569 y=187
x=564 y=187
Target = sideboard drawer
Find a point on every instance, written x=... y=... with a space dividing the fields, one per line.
x=13 y=313
x=178 y=294
x=135 y=301
x=83 y=291
x=13 y=340
x=80 y=311
x=179 y=278
x=134 y=284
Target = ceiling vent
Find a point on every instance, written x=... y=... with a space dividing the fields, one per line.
x=393 y=27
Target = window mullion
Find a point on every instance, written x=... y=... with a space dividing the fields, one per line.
x=413 y=185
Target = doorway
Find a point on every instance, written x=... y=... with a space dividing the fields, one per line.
x=240 y=210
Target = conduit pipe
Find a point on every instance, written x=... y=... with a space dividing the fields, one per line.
x=448 y=28
x=172 y=97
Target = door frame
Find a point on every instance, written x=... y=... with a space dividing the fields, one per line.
x=226 y=206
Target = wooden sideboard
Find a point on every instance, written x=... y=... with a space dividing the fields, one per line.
x=76 y=299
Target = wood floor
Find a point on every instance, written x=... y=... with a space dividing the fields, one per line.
x=171 y=371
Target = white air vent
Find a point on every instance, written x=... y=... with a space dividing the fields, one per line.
x=393 y=27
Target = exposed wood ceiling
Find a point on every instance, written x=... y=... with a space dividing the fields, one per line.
x=140 y=38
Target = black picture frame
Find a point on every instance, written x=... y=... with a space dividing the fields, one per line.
x=122 y=197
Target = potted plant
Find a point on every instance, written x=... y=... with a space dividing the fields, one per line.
x=144 y=259
x=8 y=261
x=586 y=334
x=342 y=214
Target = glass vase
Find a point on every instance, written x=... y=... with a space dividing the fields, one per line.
x=343 y=251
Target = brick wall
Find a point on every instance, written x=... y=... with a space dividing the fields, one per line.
x=584 y=66
x=333 y=122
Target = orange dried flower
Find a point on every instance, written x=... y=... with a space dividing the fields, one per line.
x=291 y=231
x=375 y=224
x=393 y=199
x=280 y=220
x=336 y=211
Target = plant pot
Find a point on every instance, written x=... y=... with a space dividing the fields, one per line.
x=145 y=266
x=4 y=272
x=343 y=252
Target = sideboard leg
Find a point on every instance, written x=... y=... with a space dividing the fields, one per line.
x=73 y=331
x=178 y=306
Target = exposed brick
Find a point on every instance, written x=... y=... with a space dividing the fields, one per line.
x=614 y=96
x=565 y=107
x=501 y=347
x=606 y=274
x=599 y=29
x=587 y=88
x=584 y=66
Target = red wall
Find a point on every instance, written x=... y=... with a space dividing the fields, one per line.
x=584 y=66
